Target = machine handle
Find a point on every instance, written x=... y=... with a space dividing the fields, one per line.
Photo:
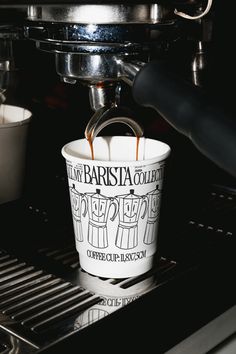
x=189 y=111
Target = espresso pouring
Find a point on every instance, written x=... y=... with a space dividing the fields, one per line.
x=92 y=149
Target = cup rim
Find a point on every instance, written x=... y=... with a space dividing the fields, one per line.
x=19 y=122
x=16 y=124
x=158 y=158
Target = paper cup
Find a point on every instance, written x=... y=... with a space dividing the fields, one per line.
x=14 y=123
x=115 y=202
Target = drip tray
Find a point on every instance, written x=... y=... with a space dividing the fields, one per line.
x=38 y=307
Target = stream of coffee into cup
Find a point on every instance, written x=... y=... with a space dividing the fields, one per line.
x=101 y=119
x=137 y=146
x=90 y=141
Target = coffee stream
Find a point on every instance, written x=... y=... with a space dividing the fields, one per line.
x=137 y=146
x=89 y=138
x=92 y=149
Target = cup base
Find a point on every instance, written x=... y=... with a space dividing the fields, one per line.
x=111 y=270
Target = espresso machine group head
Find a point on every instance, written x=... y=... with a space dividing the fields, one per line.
x=91 y=42
x=96 y=42
x=100 y=45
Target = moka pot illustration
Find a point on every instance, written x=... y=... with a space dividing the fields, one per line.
x=98 y=209
x=76 y=205
x=130 y=206
x=153 y=214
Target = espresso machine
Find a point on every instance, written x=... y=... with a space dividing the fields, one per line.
x=78 y=65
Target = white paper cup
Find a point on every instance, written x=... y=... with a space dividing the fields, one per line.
x=14 y=123
x=115 y=203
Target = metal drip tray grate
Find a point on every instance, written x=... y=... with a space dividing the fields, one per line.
x=35 y=304
x=38 y=308
x=67 y=256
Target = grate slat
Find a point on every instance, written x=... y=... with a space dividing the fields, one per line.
x=24 y=314
x=36 y=288
x=11 y=261
x=21 y=279
x=15 y=274
x=6 y=256
x=58 y=251
x=77 y=297
x=31 y=299
x=77 y=307
x=24 y=284
x=12 y=268
x=65 y=255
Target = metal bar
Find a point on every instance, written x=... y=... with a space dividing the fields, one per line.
x=83 y=305
x=65 y=255
x=58 y=305
x=36 y=288
x=21 y=279
x=25 y=285
x=20 y=315
x=2 y=258
x=7 y=270
x=8 y=262
x=10 y=309
x=57 y=251
x=13 y=275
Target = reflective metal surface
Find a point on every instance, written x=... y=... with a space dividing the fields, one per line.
x=38 y=308
x=102 y=14
x=103 y=94
x=90 y=40
x=199 y=63
x=12 y=345
x=91 y=53
x=31 y=300
x=128 y=71
x=90 y=68
x=110 y=115
x=217 y=337
x=66 y=33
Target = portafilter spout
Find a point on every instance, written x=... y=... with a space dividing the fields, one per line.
x=105 y=101
x=106 y=116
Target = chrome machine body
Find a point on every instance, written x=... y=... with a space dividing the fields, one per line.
x=102 y=44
